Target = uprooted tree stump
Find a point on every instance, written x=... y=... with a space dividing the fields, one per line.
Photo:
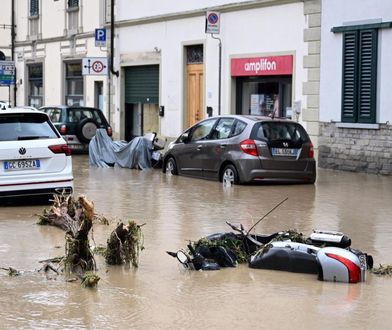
x=124 y=244
x=75 y=216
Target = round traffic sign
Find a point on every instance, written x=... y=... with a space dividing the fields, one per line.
x=97 y=66
x=213 y=18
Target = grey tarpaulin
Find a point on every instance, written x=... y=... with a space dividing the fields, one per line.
x=104 y=152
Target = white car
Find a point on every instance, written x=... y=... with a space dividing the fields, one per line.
x=34 y=159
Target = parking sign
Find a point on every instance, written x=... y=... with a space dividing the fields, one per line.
x=100 y=37
x=212 y=22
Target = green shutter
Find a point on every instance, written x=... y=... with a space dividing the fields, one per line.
x=34 y=7
x=349 y=81
x=367 y=87
x=359 y=82
x=142 y=84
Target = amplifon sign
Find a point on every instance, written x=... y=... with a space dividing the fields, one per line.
x=262 y=66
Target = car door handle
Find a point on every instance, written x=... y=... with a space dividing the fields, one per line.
x=223 y=146
x=199 y=147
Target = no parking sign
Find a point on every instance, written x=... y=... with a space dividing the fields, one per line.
x=97 y=66
x=212 y=22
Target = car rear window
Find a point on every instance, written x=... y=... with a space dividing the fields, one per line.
x=275 y=131
x=77 y=115
x=26 y=126
x=53 y=113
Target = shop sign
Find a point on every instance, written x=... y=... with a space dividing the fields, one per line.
x=7 y=73
x=262 y=66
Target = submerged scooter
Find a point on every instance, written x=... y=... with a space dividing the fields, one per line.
x=326 y=253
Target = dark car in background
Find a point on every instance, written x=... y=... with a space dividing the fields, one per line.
x=243 y=149
x=77 y=124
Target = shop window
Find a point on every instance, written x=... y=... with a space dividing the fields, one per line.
x=35 y=85
x=359 y=76
x=74 y=87
x=264 y=96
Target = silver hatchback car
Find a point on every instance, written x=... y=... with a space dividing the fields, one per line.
x=243 y=149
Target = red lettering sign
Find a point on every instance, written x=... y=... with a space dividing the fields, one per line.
x=262 y=66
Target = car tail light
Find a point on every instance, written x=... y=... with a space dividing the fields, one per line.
x=60 y=149
x=249 y=147
x=354 y=272
x=311 y=151
x=63 y=129
x=109 y=131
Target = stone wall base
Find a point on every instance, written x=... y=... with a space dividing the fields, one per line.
x=356 y=149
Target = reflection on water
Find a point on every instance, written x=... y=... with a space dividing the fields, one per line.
x=162 y=295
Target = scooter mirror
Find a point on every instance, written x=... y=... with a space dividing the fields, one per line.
x=182 y=257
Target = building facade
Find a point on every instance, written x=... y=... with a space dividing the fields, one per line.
x=52 y=38
x=355 y=90
x=173 y=73
x=5 y=44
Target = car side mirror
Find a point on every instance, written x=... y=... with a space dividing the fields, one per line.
x=184 y=138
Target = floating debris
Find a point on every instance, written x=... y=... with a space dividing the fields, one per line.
x=11 y=271
x=90 y=280
x=383 y=270
x=100 y=250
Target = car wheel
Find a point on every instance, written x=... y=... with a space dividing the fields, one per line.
x=171 y=167
x=230 y=175
x=86 y=130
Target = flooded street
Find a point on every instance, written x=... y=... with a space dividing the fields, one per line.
x=162 y=295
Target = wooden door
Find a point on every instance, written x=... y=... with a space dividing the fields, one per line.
x=195 y=93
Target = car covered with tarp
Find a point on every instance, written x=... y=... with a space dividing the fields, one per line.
x=136 y=154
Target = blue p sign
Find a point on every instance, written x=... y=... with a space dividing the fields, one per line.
x=100 y=37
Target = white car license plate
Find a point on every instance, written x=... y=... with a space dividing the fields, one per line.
x=22 y=164
x=284 y=152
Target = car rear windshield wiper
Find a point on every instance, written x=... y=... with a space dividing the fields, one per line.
x=32 y=137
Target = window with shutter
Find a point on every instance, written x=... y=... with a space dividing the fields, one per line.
x=359 y=76
x=34 y=7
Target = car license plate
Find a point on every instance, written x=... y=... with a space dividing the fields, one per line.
x=284 y=152
x=22 y=164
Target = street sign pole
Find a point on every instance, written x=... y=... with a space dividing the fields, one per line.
x=213 y=27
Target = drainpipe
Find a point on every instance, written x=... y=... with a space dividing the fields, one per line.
x=13 y=43
x=116 y=73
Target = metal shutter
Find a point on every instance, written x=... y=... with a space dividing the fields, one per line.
x=349 y=100
x=142 y=84
x=367 y=76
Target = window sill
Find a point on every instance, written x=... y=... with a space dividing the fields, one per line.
x=72 y=9
x=357 y=125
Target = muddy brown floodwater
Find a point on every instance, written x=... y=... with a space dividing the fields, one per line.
x=162 y=295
